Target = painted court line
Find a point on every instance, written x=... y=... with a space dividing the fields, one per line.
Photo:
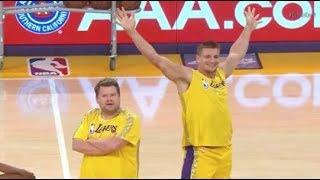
x=59 y=130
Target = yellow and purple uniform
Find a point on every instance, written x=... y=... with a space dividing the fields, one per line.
x=207 y=127
x=123 y=163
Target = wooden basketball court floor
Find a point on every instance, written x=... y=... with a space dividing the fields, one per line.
x=276 y=116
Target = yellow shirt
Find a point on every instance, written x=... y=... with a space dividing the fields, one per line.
x=123 y=163
x=205 y=113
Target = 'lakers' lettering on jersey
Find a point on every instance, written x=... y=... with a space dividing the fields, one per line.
x=206 y=118
x=119 y=164
x=101 y=128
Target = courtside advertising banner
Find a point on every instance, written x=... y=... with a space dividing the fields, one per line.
x=168 y=22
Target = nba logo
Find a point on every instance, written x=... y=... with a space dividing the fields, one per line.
x=205 y=84
x=48 y=66
x=91 y=129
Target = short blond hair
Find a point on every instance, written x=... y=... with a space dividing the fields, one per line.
x=208 y=44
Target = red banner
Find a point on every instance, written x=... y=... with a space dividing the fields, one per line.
x=169 y=22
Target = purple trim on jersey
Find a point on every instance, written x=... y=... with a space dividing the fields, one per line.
x=188 y=161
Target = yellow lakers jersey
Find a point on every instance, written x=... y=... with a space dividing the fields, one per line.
x=205 y=113
x=119 y=164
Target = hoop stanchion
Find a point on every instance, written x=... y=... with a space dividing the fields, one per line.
x=113 y=57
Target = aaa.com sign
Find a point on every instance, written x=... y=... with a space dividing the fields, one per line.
x=170 y=22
